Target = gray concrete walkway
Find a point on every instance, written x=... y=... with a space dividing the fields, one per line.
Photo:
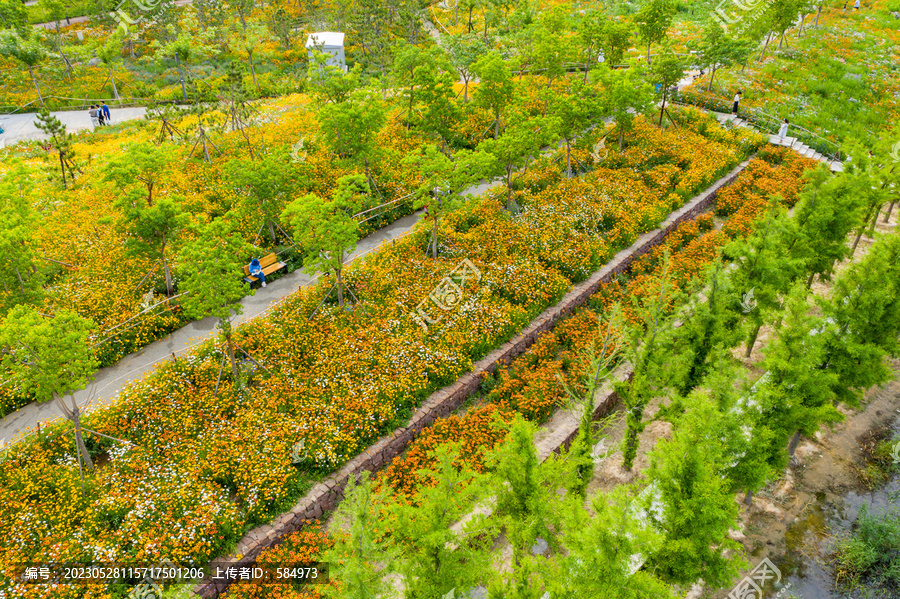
x=21 y=127
x=110 y=380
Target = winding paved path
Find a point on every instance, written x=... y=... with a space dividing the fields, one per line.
x=20 y=127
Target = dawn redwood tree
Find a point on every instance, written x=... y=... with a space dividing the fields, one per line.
x=798 y=394
x=653 y=21
x=601 y=547
x=214 y=285
x=697 y=506
x=496 y=89
x=50 y=358
x=615 y=41
x=326 y=230
x=525 y=503
x=864 y=321
x=711 y=325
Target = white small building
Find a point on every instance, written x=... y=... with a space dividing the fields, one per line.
x=329 y=42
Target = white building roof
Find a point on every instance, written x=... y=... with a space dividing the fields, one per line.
x=327 y=39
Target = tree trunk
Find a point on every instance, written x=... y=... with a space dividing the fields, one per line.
x=781 y=40
x=751 y=341
x=465 y=89
x=621 y=138
x=62 y=165
x=272 y=231
x=252 y=70
x=170 y=289
x=818 y=12
x=887 y=215
x=74 y=414
x=862 y=230
x=113 y=81
x=661 y=110
x=181 y=70
x=37 y=89
x=469 y=26
x=340 y=283
x=496 y=124
x=795 y=441
x=765 y=46
x=568 y=158
x=229 y=342
x=712 y=74
x=748 y=498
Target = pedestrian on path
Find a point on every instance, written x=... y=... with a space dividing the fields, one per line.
x=856 y=5
x=106 y=115
x=782 y=132
x=95 y=119
x=737 y=100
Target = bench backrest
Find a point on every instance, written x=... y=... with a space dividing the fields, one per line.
x=263 y=262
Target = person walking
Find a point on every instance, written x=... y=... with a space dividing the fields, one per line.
x=856 y=5
x=100 y=117
x=737 y=100
x=106 y=114
x=95 y=120
x=782 y=132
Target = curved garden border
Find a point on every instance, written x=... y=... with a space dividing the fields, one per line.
x=328 y=493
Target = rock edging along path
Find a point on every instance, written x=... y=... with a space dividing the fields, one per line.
x=328 y=493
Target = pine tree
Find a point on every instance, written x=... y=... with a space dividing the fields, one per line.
x=354 y=559
x=647 y=348
x=61 y=140
x=690 y=503
x=604 y=550
x=827 y=211
x=435 y=552
x=765 y=267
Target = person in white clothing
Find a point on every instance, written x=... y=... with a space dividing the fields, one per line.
x=737 y=99
x=782 y=132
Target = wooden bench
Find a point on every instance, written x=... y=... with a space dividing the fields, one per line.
x=269 y=264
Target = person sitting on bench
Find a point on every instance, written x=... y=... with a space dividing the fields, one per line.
x=257 y=271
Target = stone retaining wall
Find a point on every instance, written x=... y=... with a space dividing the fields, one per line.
x=327 y=494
